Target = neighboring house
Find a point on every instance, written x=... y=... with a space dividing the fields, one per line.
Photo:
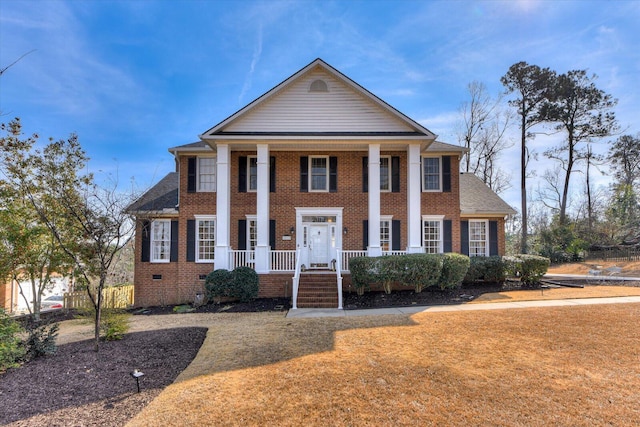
x=14 y=296
x=310 y=174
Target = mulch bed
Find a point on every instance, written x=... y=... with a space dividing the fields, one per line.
x=78 y=386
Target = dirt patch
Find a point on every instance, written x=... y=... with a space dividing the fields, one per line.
x=78 y=386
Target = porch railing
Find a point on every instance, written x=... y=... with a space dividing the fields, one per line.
x=345 y=256
x=241 y=258
x=296 y=281
x=283 y=260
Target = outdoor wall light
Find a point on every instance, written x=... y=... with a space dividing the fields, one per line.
x=345 y=230
x=292 y=230
x=137 y=374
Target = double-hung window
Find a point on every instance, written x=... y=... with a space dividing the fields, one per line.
x=252 y=232
x=252 y=173
x=431 y=174
x=385 y=234
x=206 y=174
x=478 y=238
x=205 y=238
x=385 y=173
x=161 y=240
x=319 y=173
x=432 y=234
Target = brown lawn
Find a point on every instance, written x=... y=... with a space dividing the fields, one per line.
x=629 y=268
x=571 y=366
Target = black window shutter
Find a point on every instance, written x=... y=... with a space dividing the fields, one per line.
x=395 y=235
x=446 y=174
x=493 y=238
x=173 y=254
x=395 y=174
x=146 y=241
x=365 y=234
x=272 y=234
x=333 y=174
x=242 y=174
x=191 y=240
x=447 y=245
x=365 y=174
x=464 y=237
x=242 y=234
x=272 y=174
x=191 y=175
x=304 y=174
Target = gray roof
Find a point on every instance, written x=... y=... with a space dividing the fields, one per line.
x=443 y=147
x=162 y=196
x=194 y=146
x=477 y=198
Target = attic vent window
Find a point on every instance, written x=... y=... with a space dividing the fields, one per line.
x=318 y=86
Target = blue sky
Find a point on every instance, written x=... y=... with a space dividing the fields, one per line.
x=133 y=78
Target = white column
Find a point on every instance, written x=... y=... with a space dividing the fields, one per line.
x=223 y=206
x=414 y=193
x=374 y=248
x=263 y=252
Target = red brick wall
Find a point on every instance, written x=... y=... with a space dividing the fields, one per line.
x=180 y=280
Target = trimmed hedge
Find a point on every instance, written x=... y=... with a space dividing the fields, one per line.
x=454 y=269
x=530 y=268
x=485 y=269
x=419 y=271
x=242 y=283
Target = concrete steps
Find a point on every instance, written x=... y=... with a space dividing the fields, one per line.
x=318 y=290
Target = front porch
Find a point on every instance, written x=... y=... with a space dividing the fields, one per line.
x=312 y=286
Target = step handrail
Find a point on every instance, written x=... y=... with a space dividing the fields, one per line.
x=339 y=277
x=296 y=281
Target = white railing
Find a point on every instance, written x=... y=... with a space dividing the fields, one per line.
x=339 y=278
x=345 y=256
x=394 y=252
x=283 y=260
x=296 y=281
x=241 y=258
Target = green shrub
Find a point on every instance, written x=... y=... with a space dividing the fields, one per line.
x=41 y=340
x=485 y=269
x=114 y=324
x=421 y=270
x=11 y=350
x=246 y=284
x=529 y=268
x=362 y=273
x=242 y=283
x=218 y=284
x=454 y=269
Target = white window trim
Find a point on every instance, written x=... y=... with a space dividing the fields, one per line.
x=152 y=242
x=310 y=176
x=486 y=236
x=389 y=178
x=249 y=189
x=215 y=174
x=250 y=218
x=389 y=219
x=440 y=220
x=199 y=218
x=422 y=175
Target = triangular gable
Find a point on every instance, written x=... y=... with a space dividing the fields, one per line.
x=297 y=108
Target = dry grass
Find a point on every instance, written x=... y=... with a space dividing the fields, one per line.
x=575 y=366
x=558 y=293
x=629 y=269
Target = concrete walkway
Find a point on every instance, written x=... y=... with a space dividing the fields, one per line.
x=334 y=312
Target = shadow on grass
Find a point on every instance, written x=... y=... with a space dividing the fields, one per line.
x=77 y=376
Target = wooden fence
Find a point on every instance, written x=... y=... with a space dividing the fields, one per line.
x=112 y=297
x=615 y=254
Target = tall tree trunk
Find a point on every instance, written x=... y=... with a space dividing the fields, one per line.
x=589 y=204
x=567 y=179
x=523 y=185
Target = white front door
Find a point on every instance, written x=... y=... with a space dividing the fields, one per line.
x=318 y=245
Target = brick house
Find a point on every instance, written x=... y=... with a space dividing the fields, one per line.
x=312 y=173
